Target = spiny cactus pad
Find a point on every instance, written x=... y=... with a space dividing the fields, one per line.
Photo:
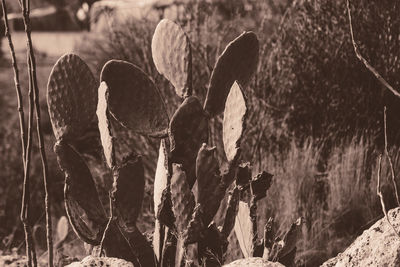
x=134 y=99
x=234 y=122
x=237 y=62
x=172 y=56
x=71 y=97
x=83 y=206
x=104 y=126
x=188 y=130
x=182 y=198
x=207 y=173
x=129 y=192
x=244 y=229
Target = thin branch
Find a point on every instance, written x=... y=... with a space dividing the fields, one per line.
x=16 y=79
x=389 y=158
x=34 y=84
x=364 y=61
x=379 y=193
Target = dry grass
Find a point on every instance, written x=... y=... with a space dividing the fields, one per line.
x=337 y=204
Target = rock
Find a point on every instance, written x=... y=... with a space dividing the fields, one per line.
x=255 y=262
x=377 y=246
x=91 y=261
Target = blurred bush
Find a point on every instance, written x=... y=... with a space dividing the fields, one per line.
x=314 y=77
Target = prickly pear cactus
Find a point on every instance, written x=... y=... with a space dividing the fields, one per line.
x=172 y=56
x=72 y=104
x=133 y=98
x=190 y=183
x=238 y=62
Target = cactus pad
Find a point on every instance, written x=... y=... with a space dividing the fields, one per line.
x=133 y=99
x=104 y=125
x=172 y=56
x=188 y=130
x=161 y=177
x=160 y=183
x=244 y=229
x=62 y=228
x=182 y=198
x=207 y=173
x=260 y=184
x=234 y=121
x=83 y=206
x=237 y=62
x=129 y=192
x=71 y=97
x=231 y=212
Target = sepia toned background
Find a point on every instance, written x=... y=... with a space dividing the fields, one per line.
x=316 y=118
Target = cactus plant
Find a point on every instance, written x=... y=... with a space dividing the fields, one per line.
x=189 y=182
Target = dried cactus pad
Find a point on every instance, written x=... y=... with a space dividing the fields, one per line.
x=244 y=229
x=172 y=56
x=71 y=97
x=208 y=180
x=133 y=98
x=237 y=62
x=234 y=122
x=104 y=125
x=129 y=192
x=62 y=228
x=84 y=209
x=188 y=130
x=182 y=198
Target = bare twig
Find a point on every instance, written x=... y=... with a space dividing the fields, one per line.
x=35 y=102
x=389 y=158
x=379 y=193
x=363 y=60
x=16 y=79
x=25 y=191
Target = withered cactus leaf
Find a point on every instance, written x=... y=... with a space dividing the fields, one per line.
x=71 y=97
x=269 y=237
x=104 y=125
x=160 y=184
x=134 y=99
x=260 y=185
x=238 y=62
x=287 y=248
x=172 y=57
x=188 y=130
x=129 y=192
x=243 y=176
x=207 y=173
x=182 y=198
x=244 y=229
x=231 y=212
x=84 y=209
x=234 y=123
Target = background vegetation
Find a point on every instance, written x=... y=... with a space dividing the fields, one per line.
x=316 y=112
